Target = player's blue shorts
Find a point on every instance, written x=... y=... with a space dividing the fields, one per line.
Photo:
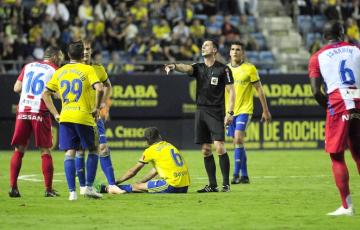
x=101 y=128
x=240 y=122
x=72 y=136
x=160 y=186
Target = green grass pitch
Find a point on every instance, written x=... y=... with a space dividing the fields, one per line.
x=288 y=190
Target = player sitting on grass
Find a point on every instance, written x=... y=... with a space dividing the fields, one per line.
x=168 y=163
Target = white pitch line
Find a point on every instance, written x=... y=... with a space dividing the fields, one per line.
x=34 y=177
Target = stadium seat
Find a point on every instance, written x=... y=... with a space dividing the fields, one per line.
x=266 y=56
x=260 y=39
x=234 y=20
x=319 y=22
x=305 y=24
x=202 y=17
x=252 y=56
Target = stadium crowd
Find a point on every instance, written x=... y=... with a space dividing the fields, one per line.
x=138 y=30
x=311 y=16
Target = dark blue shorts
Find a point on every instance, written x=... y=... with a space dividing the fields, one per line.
x=101 y=128
x=74 y=136
x=160 y=186
x=240 y=122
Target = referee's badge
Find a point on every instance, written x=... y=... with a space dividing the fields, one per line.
x=214 y=80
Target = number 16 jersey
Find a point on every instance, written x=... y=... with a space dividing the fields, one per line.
x=34 y=77
x=339 y=65
x=75 y=83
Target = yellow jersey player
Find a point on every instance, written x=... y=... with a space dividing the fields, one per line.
x=81 y=93
x=104 y=151
x=246 y=78
x=167 y=162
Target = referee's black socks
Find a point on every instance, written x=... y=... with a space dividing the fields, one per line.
x=210 y=167
x=225 y=167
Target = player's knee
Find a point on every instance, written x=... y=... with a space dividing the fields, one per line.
x=45 y=151
x=239 y=141
x=20 y=148
x=104 y=151
x=206 y=150
x=80 y=153
x=219 y=147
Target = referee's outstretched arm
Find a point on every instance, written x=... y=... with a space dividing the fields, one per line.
x=183 y=68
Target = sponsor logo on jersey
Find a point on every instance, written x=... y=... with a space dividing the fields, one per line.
x=30 y=117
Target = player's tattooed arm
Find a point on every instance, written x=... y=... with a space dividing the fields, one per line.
x=183 y=68
x=320 y=97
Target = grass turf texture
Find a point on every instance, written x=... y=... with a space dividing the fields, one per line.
x=288 y=190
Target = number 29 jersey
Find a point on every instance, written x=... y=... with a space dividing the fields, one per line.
x=34 y=77
x=339 y=65
x=75 y=83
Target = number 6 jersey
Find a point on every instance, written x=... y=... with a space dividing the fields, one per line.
x=34 y=77
x=339 y=65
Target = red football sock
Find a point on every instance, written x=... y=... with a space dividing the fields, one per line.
x=341 y=176
x=48 y=170
x=15 y=166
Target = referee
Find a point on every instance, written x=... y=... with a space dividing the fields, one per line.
x=212 y=78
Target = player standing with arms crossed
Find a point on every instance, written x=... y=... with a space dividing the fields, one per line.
x=33 y=117
x=337 y=66
x=81 y=93
x=246 y=78
x=104 y=151
x=212 y=78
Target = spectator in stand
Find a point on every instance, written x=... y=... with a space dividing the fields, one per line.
x=114 y=34
x=229 y=30
x=189 y=12
x=174 y=12
x=122 y=11
x=114 y=66
x=244 y=26
x=248 y=7
x=58 y=12
x=85 y=12
x=171 y=49
x=13 y=30
x=50 y=29
x=34 y=34
x=137 y=48
x=197 y=31
x=352 y=31
x=333 y=10
x=213 y=28
x=144 y=27
x=77 y=31
x=104 y=11
x=189 y=50
x=17 y=10
x=157 y=9
x=155 y=52
x=181 y=31
x=130 y=31
x=36 y=13
x=96 y=27
x=209 y=6
x=7 y=54
x=356 y=13
x=162 y=30
x=249 y=42
x=140 y=11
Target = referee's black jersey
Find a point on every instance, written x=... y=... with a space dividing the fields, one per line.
x=210 y=83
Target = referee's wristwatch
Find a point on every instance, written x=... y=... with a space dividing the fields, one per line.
x=231 y=113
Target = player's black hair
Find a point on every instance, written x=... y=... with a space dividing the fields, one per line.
x=152 y=135
x=238 y=43
x=215 y=44
x=51 y=51
x=333 y=30
x=76 y=50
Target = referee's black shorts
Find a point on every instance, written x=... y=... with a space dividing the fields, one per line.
x=209 y=125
